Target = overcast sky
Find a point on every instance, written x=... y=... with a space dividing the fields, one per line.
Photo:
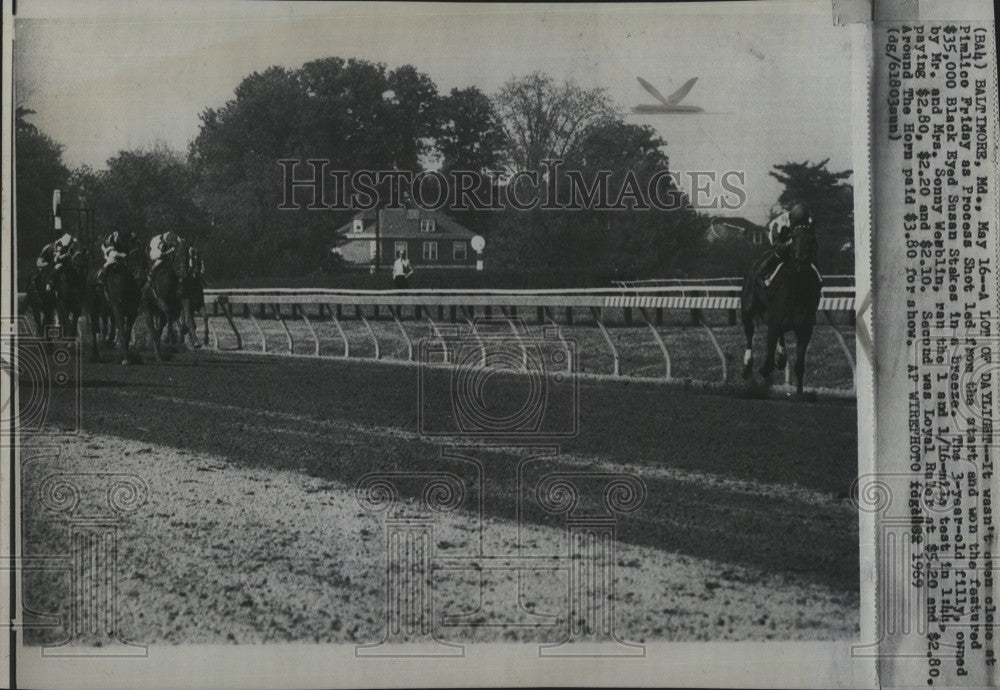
x=107 y=76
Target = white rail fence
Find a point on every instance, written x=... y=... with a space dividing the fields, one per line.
x=634 y=305
x=638 y=306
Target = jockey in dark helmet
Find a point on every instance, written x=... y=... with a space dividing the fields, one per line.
x=52 y=255
x=115 y=247
x=779 y=233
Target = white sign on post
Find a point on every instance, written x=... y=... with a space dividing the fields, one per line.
x=478 y=244
x=56 y=201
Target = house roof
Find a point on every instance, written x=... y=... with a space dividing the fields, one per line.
x=731 y=228
x=741 y=223
x=404 y=223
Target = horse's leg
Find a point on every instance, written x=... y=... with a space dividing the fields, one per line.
x=125 y=333
x=748 y=331
x=118 y=318
x=38 y=313
x=95 y=316
x=204 y=340
x=154 y=334
x=773 y=333
x=781 y=356
x=802 y=338
x=188 y=323
x=107 y=324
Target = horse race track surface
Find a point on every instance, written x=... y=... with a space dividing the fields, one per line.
x=747 y=531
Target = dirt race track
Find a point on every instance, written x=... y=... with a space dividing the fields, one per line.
x=747 y=530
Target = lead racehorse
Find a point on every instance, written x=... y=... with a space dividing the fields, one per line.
x=788 y=303
x=116 y=307
x=160 y=297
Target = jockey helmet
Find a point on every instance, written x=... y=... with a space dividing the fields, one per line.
x=65 y=240
x=799 y=215
x=170 y=237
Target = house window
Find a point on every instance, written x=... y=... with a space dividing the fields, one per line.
x=427 y=225
x=459 y=251
x=430 y=251
x=399 y=247
x=359 y=225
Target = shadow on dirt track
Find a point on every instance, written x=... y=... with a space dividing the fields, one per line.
x=697 y=452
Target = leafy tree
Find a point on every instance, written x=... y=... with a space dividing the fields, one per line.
x=546 y=119
x=356 y=114
x=471 y=136
x=147 y=191
x=39 y=170
x=627 y=241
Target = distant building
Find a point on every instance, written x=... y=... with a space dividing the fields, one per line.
x=429 y=238
x=736 y=230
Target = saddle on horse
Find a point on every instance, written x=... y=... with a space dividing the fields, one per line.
x=769 y=264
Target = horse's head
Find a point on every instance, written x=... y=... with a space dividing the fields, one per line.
x=136 y=261
x=181 y=260
x=66 y=279
x=164 y=278
x=804 y=245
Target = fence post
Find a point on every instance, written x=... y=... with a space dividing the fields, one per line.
x=276 y=308
x=842 y=342
x=263 y=338
x=659 y=341
x=371 y=332
x=715 y=343
x=312 y=331
x=232 y=324
x=607 y=338
x=335 y=317
x=406 y=336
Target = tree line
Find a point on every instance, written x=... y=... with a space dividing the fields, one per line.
x=224 y=192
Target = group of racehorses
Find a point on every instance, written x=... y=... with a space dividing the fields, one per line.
x=169 y=294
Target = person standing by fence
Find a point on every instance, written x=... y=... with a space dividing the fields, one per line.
x=401 y=271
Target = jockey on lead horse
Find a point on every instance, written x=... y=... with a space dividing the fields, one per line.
x=162 y=246
x=116 y=247
x=779 y=234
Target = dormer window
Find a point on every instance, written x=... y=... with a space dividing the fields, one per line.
x=427 y=225
x=359 y=225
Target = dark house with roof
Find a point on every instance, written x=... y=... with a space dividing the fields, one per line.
x=429 y=238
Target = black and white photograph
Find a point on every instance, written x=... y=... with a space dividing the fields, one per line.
x=422 y=336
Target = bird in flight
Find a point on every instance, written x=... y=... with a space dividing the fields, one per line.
x=668 y=104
